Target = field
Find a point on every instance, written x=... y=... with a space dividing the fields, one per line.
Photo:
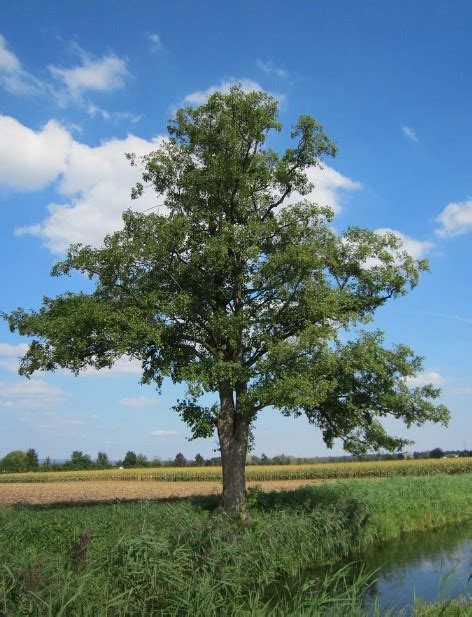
x=43 y=493
x=186 y=558
x=258 y=473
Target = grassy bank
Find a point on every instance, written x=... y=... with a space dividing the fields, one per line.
x=259 y=473
x=455 y=608
x=185 y=558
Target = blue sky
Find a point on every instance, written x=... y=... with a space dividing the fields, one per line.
x=80 y=85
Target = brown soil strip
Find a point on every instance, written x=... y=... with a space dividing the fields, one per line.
x=121 y=490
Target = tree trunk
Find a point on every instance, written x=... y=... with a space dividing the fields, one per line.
x=233 y=436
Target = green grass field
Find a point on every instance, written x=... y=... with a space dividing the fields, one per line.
x=188 y=559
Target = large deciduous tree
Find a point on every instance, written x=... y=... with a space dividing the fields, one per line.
x=235 y=292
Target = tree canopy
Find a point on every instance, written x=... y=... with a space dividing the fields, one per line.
x=231 y=289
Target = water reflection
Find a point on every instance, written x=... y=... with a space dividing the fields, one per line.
x=433 y=566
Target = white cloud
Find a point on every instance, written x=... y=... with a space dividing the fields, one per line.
x=9 y=355
x=92 y=75
x=416 y=248
x=455 y=219
x=8 y=61
x=123 y=366
x=409 y=134
x=6 y=349
x=163 y=433
x=329 y=187
x=271 y=69
x=96 y=184
x=30 y=160
x=155 y=42
x=428 y=377
x=13 y=78
x=70 y=84
x=137 y=402
x=95 y=110
x=30 y=394
x=247 y=85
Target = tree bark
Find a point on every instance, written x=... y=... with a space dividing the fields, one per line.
x=233 y=430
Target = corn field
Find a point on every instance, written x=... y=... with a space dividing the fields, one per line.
x=323 y=471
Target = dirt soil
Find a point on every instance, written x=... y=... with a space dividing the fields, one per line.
x=121 y=490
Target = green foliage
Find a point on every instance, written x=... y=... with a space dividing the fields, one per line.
x=130 y=459
x=142 y=460
x=199 y=460
x=79 y=460
x=436 y=453
x=103 y=461
x=180 y=460
x=232 y=290
x=32 y=459
x=16 y=460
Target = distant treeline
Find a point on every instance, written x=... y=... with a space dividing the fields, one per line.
x=28 y=460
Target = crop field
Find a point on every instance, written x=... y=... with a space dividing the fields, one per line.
x=259 y=473
x=106 y=491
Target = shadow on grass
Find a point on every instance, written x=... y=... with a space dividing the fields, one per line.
x=304 y=498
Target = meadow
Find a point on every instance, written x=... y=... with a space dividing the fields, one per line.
x=259 y=473
x=188 y=559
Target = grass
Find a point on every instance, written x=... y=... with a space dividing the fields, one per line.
x=454 y=608
x=189 y=559
x=259 y=473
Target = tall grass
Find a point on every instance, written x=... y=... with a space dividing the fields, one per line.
x=189 y=559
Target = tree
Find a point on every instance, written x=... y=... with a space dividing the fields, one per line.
x=156 y=461
x=130 y=459
x=239 y=291
x=32 y=460
x=180 y=460
x=142 y=460
x=436 y=453
x=14 y=461
x=46 y=464
x=79 y=460
x=199 y=460
x=103 y=460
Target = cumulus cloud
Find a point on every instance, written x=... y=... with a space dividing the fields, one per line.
x=163 y=433
x=13 y=78
x=416 y=248
x=103 y=74
x=330 y=187
x=30 y=394
x=30 y=160
x=95 y=185
x=94 y=181
x=248 y=85
x=409 y=134
x=138 y=402
x=271 y=69
x=455 y=219
x=428 y=377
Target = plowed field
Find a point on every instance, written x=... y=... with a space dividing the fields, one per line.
x=121 y=490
